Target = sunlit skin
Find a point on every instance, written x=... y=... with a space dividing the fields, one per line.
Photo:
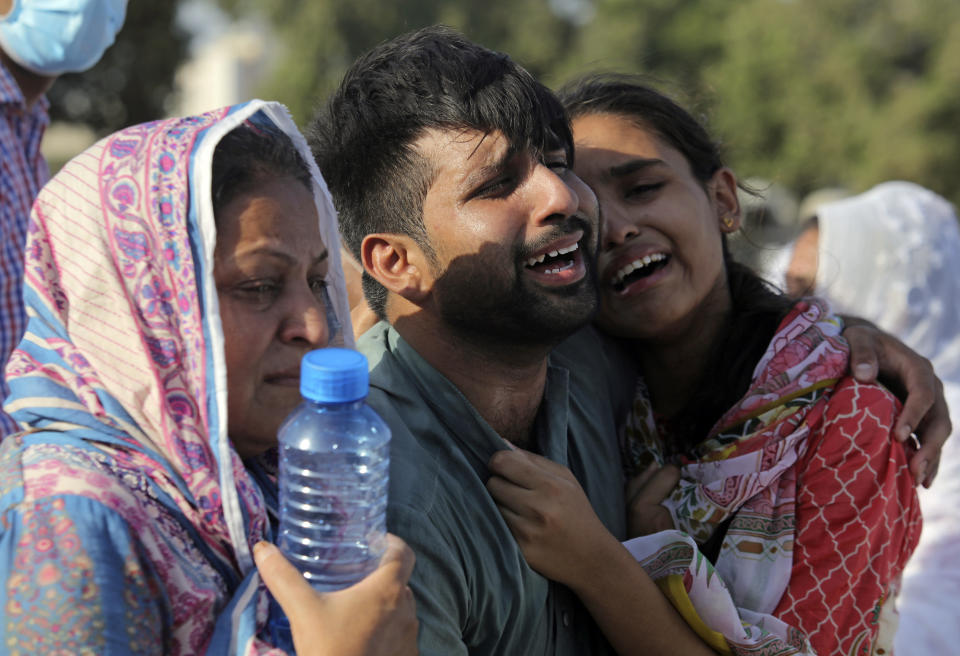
x=802 y=272
x=652 y=205
x=270 y=265
x=472 y=305
x=508 y=206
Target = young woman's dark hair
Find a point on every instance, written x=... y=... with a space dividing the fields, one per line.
x=252 y=153
x=757 y=307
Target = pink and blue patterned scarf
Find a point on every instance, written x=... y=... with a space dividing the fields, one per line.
x=123 y=352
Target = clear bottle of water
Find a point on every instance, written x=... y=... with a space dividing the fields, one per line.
x=334 y=461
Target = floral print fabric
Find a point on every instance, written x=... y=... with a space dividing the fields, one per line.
x=127 y=518
x=820 y=506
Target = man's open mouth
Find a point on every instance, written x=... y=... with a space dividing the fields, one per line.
x=556 y=261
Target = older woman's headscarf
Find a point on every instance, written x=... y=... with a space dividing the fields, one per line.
x=892 y=255
x=123 y=361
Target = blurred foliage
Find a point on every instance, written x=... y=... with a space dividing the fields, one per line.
x=808 y=93
x=132 y=81
x=319 y=39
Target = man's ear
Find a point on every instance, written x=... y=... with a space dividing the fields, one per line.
x=723 y=188
x=398 y=263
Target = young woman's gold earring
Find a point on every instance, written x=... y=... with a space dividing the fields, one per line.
x=727 y=222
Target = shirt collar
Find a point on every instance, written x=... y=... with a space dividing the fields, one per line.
x=10 y=94
x=464 y=422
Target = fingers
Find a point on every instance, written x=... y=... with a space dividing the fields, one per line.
x=924 y=411
x=508 y=495
x=523 y=468
x=638 y=482
x=398 y=559
x=657 y=486
x=864 y=359
x=932 y=433
x=282 y=579
x=931 y=473
x=924 y=394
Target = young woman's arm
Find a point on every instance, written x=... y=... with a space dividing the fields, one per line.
x=562 y=538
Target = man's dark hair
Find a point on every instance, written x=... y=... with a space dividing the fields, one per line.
x=364 y=137
x=252 y=153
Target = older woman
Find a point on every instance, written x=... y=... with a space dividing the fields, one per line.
x=176 y=273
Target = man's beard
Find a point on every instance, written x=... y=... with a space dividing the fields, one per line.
x=487 y=298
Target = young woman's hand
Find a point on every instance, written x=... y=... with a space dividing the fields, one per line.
x=564 y=540
x=375 y=617
x=549 y=515
x=875 y=353
x=645 y=491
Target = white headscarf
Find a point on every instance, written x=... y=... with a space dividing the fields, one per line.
x=892 y=255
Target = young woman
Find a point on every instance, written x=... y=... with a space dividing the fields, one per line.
x=176 y=273
x=747 y=431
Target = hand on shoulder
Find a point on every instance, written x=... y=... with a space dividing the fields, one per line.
x=875 y=354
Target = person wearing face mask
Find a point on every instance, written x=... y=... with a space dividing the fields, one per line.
x=39 y=40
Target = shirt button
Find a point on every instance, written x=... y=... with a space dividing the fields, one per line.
x=566 y=618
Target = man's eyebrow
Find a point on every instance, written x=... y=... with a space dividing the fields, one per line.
x=479 y=174
x=633 y=165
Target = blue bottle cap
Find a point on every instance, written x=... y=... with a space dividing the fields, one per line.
x=334 y=375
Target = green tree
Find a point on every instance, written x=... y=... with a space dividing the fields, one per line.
x=318 y=40
x=819 y=92
x=804 y=92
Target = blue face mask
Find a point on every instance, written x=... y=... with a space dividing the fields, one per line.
x=50 y=37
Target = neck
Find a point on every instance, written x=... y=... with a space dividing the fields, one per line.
x=503 y=382
x=673 y=367
x=32 y=85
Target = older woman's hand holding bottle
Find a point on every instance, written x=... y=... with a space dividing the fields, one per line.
x=371 y=618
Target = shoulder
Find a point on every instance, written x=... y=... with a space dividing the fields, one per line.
x=857 y=425
x=69 y=556
x=600 y=368
x=869 y=404
x=85 y=488
x=40 y=470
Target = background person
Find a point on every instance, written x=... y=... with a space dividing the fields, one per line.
x=39 y=40
x=904 y=275
x=177 y=271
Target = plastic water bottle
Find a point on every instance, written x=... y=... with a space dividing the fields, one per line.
x=334 y=461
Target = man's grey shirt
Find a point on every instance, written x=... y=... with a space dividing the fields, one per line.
x=475 y=592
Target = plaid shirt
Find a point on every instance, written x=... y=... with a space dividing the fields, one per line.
x=22 y=172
